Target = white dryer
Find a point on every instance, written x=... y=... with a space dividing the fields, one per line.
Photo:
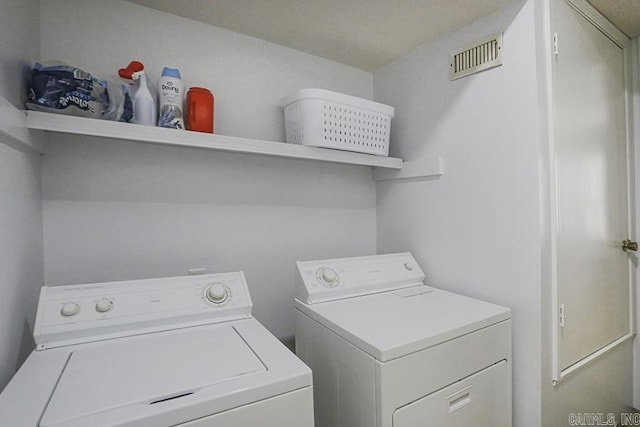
x=388 y=351
x=181 y=351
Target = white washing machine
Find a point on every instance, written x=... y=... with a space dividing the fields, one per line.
x=181 y=351
x=386 y=350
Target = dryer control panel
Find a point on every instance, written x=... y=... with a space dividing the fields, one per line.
x=82 y=313
x=331 y=279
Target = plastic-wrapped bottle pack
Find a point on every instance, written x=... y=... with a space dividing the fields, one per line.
x=60 y=88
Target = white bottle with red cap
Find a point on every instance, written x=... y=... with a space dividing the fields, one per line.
x=144 y=106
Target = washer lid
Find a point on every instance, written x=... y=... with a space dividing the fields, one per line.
x=103 y=384
x=393 y=324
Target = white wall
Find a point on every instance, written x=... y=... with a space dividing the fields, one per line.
x=119 y=210
x=248 y=76
x=476 y=230
x=19 y=35
x=20 y=206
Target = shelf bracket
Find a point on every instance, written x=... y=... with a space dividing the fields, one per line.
x=14 y=131
x=427 y=168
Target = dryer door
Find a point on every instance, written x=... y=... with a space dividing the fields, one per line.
x=480 y=400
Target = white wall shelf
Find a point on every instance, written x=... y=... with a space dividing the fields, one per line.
x=126 y=131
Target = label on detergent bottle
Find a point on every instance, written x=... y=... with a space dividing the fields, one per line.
x=171 y=91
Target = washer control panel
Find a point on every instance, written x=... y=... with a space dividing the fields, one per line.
x=331 y=279
x=80 y=313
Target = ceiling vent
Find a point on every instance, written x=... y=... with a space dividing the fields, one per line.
x=478 y=56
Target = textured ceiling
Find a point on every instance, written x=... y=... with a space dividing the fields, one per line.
x=366 y=34
x=625 y=14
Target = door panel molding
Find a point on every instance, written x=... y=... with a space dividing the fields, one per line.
x=600 y=22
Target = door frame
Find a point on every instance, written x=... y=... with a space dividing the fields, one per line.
x=622 y=41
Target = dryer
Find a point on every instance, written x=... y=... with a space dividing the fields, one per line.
x=180 y=351
x=388 y=351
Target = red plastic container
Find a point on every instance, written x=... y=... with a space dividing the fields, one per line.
x=200 y=110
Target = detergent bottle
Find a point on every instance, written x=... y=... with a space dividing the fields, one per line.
x=171 y=95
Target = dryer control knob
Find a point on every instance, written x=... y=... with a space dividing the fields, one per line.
x=104 y=305
x=328 y=277
x=217 y=293
x=70 y=309
x=408 y=266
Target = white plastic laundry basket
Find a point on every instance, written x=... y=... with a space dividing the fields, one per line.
x=321 y=118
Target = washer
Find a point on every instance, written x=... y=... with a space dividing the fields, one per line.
x=180 y=351
x=386 y=350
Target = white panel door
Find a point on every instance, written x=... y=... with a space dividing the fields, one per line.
x=590 y=135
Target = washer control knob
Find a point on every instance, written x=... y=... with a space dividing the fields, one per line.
x=408 y=266
x=103 y=305
x=217 y=293
x=70 y=309
x=328 y=277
